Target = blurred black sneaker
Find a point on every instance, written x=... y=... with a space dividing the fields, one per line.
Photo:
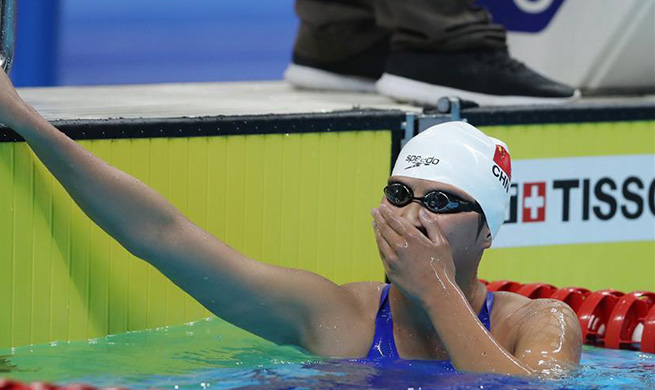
x=354 y=74
x=486 y=77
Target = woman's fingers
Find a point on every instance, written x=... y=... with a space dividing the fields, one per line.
x=431 y=227
x=386 y=252
x=398 y=224
x=394 y=240
x=379 y=225
x=402 y=226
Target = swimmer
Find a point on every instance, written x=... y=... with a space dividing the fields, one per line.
x=442 y=207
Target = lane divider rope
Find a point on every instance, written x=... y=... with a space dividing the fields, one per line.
x=608 y=318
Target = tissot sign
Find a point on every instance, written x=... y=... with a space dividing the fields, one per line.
x=580 y=200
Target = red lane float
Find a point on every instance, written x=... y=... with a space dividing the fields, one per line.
x=626 y=323
x=594 y=315
x=12 y=385
x=537 y=290
x=15 y=385
x=648 y=337
x=504 y=285
x=572 y=296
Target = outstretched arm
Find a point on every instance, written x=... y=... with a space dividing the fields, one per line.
x=279 y=304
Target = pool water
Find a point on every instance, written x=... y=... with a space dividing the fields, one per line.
x=213 y=354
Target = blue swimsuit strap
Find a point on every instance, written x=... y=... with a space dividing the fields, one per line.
x=384 y=345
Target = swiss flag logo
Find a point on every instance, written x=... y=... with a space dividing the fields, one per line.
x=502 y=159
x=534 y=202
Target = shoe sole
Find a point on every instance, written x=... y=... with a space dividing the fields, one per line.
x=312 y=78
x=408 y=90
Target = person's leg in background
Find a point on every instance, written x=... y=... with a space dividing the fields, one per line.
x=451 y=47
x=339 y=46
x=439 y=25
x=438 y=48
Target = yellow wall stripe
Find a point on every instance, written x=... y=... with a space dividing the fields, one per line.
x=576 y=139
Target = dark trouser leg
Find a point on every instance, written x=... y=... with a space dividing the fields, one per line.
x=336 y=30
x=439 y=25
x=332 y=30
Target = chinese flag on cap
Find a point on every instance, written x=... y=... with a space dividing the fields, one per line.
x=501 y=157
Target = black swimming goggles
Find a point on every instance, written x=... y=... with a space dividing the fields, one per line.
x=439 y=202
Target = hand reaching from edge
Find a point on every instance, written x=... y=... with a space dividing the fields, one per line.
x=419 y=266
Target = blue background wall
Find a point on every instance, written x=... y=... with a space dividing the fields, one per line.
x=73 y=42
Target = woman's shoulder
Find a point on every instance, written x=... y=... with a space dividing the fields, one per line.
x=507 y=302
x=512 y=310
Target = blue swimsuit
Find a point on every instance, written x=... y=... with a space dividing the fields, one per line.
x=384 y=346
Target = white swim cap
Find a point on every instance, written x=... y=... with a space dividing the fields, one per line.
x=458 y=154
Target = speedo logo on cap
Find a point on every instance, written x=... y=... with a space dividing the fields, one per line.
x=417 y=161
x=502 y=168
